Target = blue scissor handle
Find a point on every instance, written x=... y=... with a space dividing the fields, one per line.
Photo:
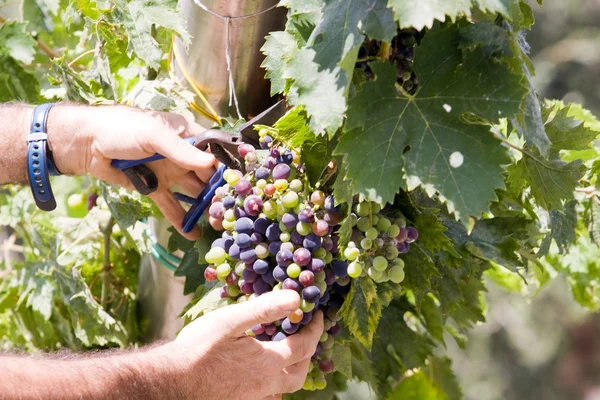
x=124 y=164
x=203 y=200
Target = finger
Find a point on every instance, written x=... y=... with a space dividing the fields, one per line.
x=179 y=151
x=190 y=184
x=273 y=397
x=292 y=378
x=300 y=346
x=269 y=307
x=205 y=174
x=173 y=211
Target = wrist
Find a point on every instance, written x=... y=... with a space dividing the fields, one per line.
x=70 y=136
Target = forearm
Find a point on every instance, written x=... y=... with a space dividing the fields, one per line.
x=147 y=375
x=68 y=137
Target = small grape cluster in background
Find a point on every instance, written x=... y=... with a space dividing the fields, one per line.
x=280 y=234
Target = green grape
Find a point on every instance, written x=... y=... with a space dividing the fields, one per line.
x=229 y=215
x=262 y=250
x=320 y=277
x=363 y=224
x=396 y=274
x=393 y=231
x=380 y=263
x=261 y=183
x=290 y=199
x=305 y=306
x=228 y=225
x=263 y=132
x=308 y=383
x=351 y=244
x=320 y=383
x=303 y=229
x=298 y=208
x=293 y=270
x=374 y=274
x=296 y=185
x=324 y=337
x=284 y=228
x=216 y=256
x=391 y=252
x=279 y=286
x=322 y=285
x=281 y=185
x=401 y=222
x=77 y=205
x=233 y=291
x=239 y=268
x=232 y=179
x=366 y=244
x=328 y=344
x=351 y=253
x=383 y=224
x=374 y=219
x=223 y=270
x=371 y=233
x=355 y=269
x=280 y=210
x=270 y=209
x=285 y=237
x=320 y=253
x=327 y=353
x=398 y=262
x=328 y=258
x=375 y=208
x=362 y=209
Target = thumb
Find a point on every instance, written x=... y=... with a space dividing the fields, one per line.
x=267 y=308
x=177 y=150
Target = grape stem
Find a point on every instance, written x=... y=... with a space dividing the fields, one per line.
x=107 y=232
x=525 y=152
x=81 y=56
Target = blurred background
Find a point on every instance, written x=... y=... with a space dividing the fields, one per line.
x=545 y=346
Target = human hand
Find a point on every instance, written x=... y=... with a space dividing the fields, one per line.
x=221 y=362
x=86 y=139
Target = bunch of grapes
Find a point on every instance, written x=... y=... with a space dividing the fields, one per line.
x=401 y=54
x=375 y=245
x=277 y=235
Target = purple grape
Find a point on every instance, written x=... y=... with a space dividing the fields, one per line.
x=260 y=286
x=243 y=225
x=413 y=234
x=329 y=276
x=312 y=242
x=284 y=257
x=316 y=265
x=270 y=329
x=268 y=277
x=286 y=157
x=311 y=294
x=274 y=152
x=217 y=243
x=247 y=288
x=289 y=327
x=273 y=232
x=289 y=219
x=232 y=279
x=279 y=336
x=324 y=299
x=262 y=173
x=292 y=284
x=239 y=213
x=296 y=238
x=249 y=276
x=261 y=224
x=340 y=268
x=335 y=330
x=228 y=202
x=302 y=257
x=329 y=205
x=274 y=247
x=306 y=216
x=250 y=266
x=355 y=237
x=279 y=274
x=243 y=241
x=256 y=238
x=243 y=187
x=306 y=278
x=318 y=350
x=223 y=293
x=271 y=162
x=281 y=171
x=258 y=329
x=327 y=243
x=248 y=256
x=266 y=141
x=253 y=205
x=216 y=210
x=307 y=318
x=326 y=365
x=227 y=242
x=403 y=247
x=263 y=337
x=342 y=281
x=234 y=252
x=260 y=267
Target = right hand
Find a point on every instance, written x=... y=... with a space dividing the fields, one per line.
x=223 y=363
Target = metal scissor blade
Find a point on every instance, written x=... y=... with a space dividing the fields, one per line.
x=267 y=117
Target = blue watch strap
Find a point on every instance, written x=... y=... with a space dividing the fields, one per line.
x=37 y=160
x=38 y=125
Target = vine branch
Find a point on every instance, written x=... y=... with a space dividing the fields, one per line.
x=107 y=233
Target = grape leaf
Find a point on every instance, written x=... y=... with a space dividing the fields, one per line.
x=440 y=368
x=566 y=132
x=433 y=318
x=138 y=17
x=342 y=358
x=423 y=13
x=17 y=42
x=16 y=83
x=279 y=48
x=562 y=229
x=192 y=270
x=209 y=302
x=460 y=160
x=177 y=241
x=362 y=310
x=416 y=386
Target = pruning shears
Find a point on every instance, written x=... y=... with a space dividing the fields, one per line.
x=223 y=144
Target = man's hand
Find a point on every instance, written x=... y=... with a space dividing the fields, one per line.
x=223 y=363
x=86 y=139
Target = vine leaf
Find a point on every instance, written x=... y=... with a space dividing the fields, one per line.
x=362 y=310
x=462 y=161
x=15 y=82
x=17 y=42
x=342 y=358
x=192 y=270
x=279 y=47
x=562 y=229
x=138 y=17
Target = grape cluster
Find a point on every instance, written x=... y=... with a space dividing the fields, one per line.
x=277 y=235
x=375 y=244
x=401 y=54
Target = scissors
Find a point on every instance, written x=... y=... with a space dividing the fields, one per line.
x=223 y=144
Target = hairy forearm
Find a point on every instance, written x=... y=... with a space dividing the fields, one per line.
x=68 y=137
x=146 y=374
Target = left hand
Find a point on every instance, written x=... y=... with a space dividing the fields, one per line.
x=105 y=133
